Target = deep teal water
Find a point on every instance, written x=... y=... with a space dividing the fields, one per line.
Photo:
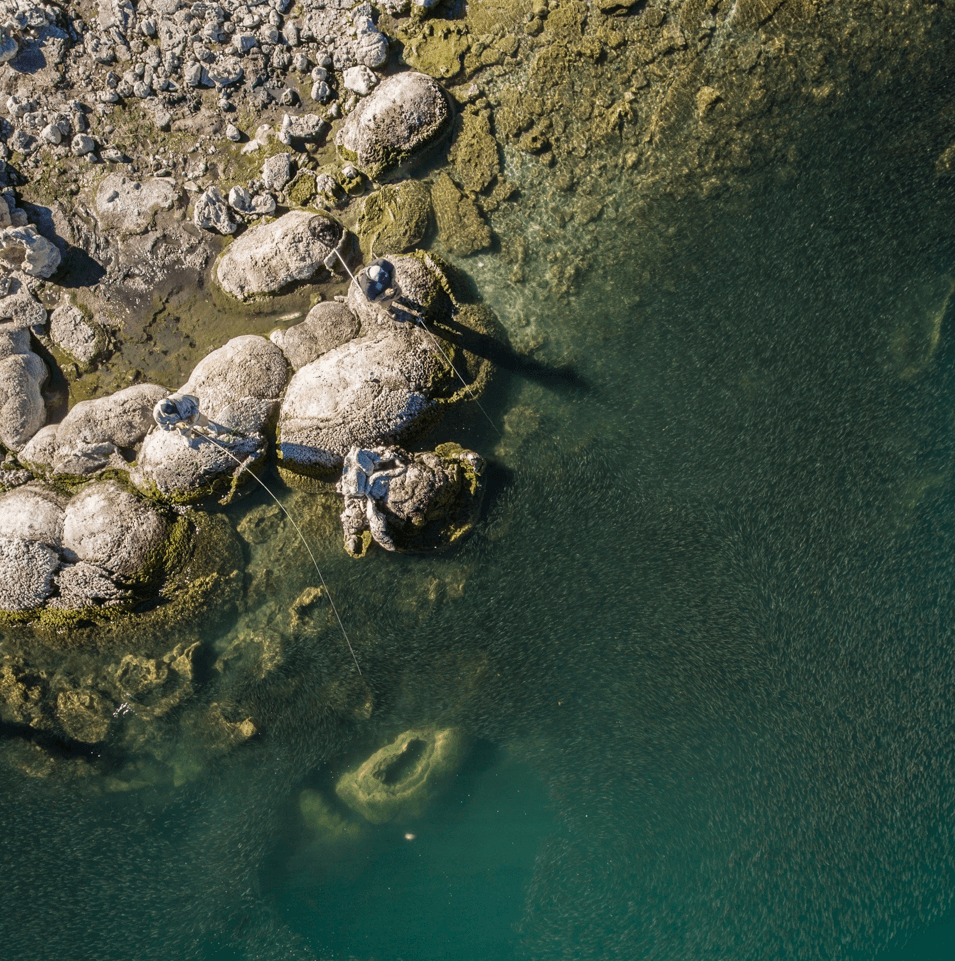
x=703 y=640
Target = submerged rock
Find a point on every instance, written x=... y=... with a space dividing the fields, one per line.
x=395 y=124
x=404 y=777
x=271 y=256
x=410 y=503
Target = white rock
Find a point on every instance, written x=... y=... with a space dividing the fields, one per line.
x=211 y=212
x=26 y=573
x=277 y=171
x=72 y=332
x=51 y=134
x=321 y=92
x=22 y=248
x=82 y=145
x=22 y=411
x=32 y=513
x=129 y=206
x=359 y=80
x=233 y=133
x=107 y=526
x=271 y=256
x=9 y=48
x=364 y=393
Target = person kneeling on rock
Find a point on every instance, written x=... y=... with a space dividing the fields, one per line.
x=377 y=282
x=378 y=285
x=181 y=412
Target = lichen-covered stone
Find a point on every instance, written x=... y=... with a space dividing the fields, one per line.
x=404 y=777
x=271 y=256
x=26 y=573
x=395 y=124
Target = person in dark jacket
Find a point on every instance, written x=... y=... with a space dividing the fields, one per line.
x=377 y=281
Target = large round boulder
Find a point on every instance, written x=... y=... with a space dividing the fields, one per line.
x=271 y=256
x=33 y=513
x=395 y=124
x=107 y=526
x=367 y=392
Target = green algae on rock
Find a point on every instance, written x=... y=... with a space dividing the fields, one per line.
x=461 y=228
x=402 y=779
x=394 y=218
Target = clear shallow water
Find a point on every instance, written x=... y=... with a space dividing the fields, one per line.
x=704 y=638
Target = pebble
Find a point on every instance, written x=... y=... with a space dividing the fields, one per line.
x=233 y=133
x=83 y=144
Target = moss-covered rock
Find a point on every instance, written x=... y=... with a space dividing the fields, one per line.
x=394 y=218
x=474 y=151
x=462 y=229
x=402 y=779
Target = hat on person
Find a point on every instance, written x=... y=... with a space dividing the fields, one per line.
x=376 y=274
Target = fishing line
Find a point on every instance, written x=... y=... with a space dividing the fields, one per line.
x=440 y=349
x=298 y=530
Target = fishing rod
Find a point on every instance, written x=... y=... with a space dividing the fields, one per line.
x=180 y=419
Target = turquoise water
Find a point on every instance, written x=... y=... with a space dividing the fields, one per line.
x=702 y=641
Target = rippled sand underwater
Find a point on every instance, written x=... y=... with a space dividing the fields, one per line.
x=705 y=628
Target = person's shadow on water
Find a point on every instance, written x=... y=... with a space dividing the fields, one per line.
x=505 y=357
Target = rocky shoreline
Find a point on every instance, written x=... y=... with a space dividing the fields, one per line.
x=177 y=180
